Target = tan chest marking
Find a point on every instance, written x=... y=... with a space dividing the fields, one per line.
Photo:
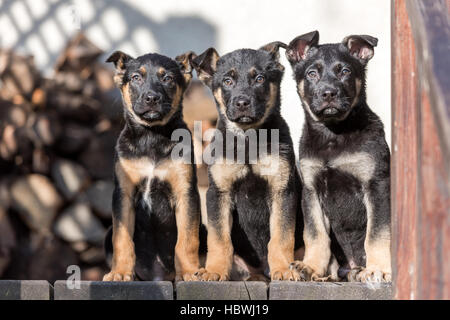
x=361 y=165
x=275 y=170
x=272 y=168
x=224 y=175
x=130 y=172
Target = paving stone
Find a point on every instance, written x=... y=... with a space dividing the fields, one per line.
x=98 y=290
x=329 y=291
x=25 y=290
x=238 y=290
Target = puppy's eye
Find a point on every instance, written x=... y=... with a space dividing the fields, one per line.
x=167 y=79
x=260 y=79
x=228 y=82
x=136 y=77
x=313 y=74
x=346 y=71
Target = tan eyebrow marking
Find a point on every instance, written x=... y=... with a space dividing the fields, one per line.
x=253 y=72
x=161 y=71
x=143 y=70
x=231 y=73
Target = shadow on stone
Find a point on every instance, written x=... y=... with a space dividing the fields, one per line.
x=238 y=290
x=25 y=290
x=97 y=290
x=329 y=291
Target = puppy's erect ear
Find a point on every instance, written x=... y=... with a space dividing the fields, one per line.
x=361 y=47
x=185 y=63
x=119 y=59
x=274 y=49
x=299 y=47
x=206 y=65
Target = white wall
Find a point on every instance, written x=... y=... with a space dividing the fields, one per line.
x=41 y=28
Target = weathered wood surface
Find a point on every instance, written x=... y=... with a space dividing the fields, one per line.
x=404 y=153
x=420 y=162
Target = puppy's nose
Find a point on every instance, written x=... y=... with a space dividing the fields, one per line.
x=152 y=98
x=329 y=94
x=242 y=102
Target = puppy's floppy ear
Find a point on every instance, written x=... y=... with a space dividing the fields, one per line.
x=119 y=59
x=184 y=61
x=299 y=47
x=361 y=47
x=206 y=65
x=274 y=49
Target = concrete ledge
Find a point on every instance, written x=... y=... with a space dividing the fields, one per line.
x=97 y=290
x=162 y=290
x=329 y=291
x=238 y=290
x=25 y=290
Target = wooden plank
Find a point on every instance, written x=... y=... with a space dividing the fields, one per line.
x=431 y=30
x=404 y=154
x=430 y=22
x=434 y=224
x=421 y=140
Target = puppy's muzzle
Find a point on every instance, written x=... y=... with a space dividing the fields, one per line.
x=243 y=111
x=150 y=109
x=152 y=99
x=331 y=105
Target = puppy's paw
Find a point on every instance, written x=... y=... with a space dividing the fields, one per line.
x=286 y=275
x=368 y=275
x=116 y=275
x=210 y=275
x=258 y=277
x=306 y=273
x=186 y=276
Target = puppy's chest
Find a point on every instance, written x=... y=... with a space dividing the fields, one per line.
x=272 y=169
x=140 y=174
x=144 y=169
x=360 y=165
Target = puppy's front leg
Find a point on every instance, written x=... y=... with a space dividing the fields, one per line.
x=124 y=257
x=317 y=241
x=282 y=235
x=187 y=211
x=377 y=244
x=220 y=248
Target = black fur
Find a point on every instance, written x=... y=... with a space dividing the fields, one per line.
x=335 y=126
x=155 y=232
x=245 y=97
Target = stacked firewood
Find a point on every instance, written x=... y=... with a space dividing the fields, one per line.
x=57 y=140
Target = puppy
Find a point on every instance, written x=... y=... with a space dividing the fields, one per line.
x=252 y=209
x=156 y=202
x=344 y=161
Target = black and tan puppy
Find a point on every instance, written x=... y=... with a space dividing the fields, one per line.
x=156 y=203
x=344 y=161
x=253 y=202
